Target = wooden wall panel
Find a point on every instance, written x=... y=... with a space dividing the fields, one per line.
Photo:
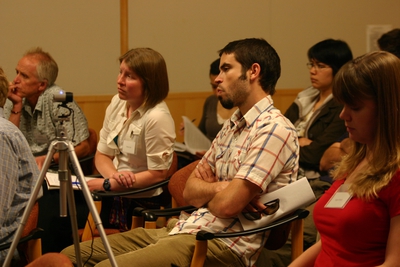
x=283 y=98
x=187 y=104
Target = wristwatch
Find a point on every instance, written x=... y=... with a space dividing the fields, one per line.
x=107 y=184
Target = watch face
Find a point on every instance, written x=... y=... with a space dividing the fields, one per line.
x=107 y=185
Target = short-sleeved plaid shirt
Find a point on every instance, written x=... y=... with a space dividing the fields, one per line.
x=261 y=147
x=18 y=176
x=39 y=125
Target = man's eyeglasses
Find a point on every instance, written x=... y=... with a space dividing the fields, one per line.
x=271 y=207
x=317 y=66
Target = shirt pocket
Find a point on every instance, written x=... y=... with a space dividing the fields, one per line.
x=131 y=141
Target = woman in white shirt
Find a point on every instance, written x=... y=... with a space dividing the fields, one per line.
x=136 y=142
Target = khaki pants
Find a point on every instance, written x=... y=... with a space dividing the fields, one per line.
x=152 y=248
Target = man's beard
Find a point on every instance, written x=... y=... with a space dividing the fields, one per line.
x=228 y=102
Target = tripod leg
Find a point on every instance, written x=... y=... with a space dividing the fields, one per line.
x=67 y=196
x=29 y=205
x=73 y=219
x=64 y=177
x=90 y=203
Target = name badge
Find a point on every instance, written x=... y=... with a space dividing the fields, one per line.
x=340 y=198
x=129 y=147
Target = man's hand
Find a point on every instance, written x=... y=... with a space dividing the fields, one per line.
x=203 y=171
x=202 y=185
x=255 y=205
x=14 y=97
x=256 y=209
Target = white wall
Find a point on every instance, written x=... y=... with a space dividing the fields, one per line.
x=83 y=35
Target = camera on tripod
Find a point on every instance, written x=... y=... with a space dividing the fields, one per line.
x=64 y=97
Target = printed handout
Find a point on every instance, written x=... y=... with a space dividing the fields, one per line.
x=195 y=140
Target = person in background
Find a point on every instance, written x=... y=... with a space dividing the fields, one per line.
x=390 y=42
x=255 y=152
x=213 y=117
x=32 y=109
x=136 y=143
x=361 y=225
x=214 y=114
x=18 y=173
x=333 y=155
x=314 y=112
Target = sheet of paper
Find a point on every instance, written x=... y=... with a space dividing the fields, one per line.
x=291 y=197
x=374 y=32
x=54 y=183
x=195 y=140
x=179 y=147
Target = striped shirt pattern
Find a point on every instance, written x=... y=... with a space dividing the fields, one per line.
x=261 y=147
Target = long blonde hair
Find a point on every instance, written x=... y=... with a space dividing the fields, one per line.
x=375 y=76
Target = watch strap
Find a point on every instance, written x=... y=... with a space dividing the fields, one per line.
x=107 y=184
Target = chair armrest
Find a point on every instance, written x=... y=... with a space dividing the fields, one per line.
x=97 y=175
x=153 y=214
x=55 y=166
x=202 y=236
x=298 y=214
x=103 y=193
x=34 y=234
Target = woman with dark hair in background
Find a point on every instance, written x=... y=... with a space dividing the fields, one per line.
x=390 y=42
x=214 y=114
x=213 y=117
x=314 y=112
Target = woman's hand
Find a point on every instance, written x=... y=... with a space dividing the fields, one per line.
x=124 y=178
x=95 y=184
x=303 y=141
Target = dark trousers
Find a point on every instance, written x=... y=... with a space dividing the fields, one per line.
x=58 y=230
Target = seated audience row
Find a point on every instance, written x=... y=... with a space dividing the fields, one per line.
x=136 y=147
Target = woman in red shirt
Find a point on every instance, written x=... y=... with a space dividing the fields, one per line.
x=358 y=218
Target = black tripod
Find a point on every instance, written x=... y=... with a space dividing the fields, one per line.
x=62 y=145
